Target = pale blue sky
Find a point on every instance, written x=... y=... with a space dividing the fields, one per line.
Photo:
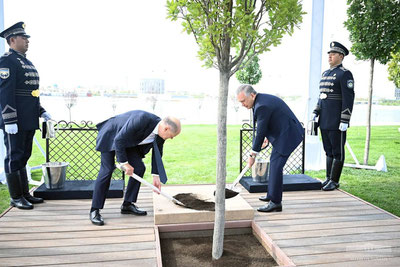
x=116 y=43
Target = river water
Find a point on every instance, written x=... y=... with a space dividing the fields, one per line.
x=191 y=110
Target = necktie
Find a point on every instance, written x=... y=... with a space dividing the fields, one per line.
x=160 y=165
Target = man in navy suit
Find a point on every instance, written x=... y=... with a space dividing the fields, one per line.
x=277 y=124
x=129 y=137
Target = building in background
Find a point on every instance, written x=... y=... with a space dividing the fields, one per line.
x=152 y=86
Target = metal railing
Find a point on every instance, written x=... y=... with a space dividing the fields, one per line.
x=294 y=165
x=76 y=143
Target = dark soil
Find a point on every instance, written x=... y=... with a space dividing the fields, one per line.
x=192 y=201
x=239 y=251
x=230 y=193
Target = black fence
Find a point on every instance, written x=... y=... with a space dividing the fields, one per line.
x=75 y=143
x=294 y=165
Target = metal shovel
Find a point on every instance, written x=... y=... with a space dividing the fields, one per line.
x=230 y=190
x=140 y=179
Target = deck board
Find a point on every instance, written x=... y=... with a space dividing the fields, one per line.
x=316 y=228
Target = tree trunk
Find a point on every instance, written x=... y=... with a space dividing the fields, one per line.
x=219 y=225
x=368 y=135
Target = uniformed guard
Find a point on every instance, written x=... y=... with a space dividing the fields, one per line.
x=20 y=112
x=333 y=112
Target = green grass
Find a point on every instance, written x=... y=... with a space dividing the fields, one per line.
x=190 y=158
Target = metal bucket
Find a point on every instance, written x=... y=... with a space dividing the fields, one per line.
x=54 y=174
x=260 y=171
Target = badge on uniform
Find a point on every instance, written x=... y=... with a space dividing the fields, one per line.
x=350 y=84
x=4 y=73
x=36 y=93
x=323 y=96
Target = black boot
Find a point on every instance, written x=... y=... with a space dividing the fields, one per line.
x=333 y=184
x=14 y=187
x=25 y=188
x=329 y=161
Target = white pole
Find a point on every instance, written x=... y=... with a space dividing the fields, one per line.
x=315 y=157
x=2 y=50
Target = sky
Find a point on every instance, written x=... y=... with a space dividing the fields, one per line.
x=115 y=44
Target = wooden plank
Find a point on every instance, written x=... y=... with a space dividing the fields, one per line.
x=109 y=220
x=347 y=257
x=337 y=239
x=264 y=221
x=334 y=232
x=87 y=226
x=80 y=234
x=137 y=262
x=83 y=258
x=322 y=226
x=77 y=241
x=274 y=216
x=72 y=250
x=395 y=262
x=351 y=246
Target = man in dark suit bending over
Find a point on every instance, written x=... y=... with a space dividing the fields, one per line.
x=129 y=137
x=277 y=124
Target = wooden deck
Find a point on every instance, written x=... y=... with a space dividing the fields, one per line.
x=315 y=229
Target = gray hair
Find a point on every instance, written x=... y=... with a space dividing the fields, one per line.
x=174 y=127
x=247 y=89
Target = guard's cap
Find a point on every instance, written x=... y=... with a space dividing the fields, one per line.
x=14 y=30
x=337 y=47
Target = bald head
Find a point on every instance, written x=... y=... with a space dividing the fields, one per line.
x=169 y=127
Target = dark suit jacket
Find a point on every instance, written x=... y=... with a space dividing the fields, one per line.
x=127 y=130
x=276 y=121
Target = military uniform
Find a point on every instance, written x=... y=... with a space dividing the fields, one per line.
x=334 y=107
x=21 y=109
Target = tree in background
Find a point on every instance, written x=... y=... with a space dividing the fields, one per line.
x=394 y=69
x=374 y=28
x=70 y=99
x=218 y=26
x=251 y=73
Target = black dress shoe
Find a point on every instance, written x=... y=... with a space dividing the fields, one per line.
x=33 y=200
x=132 y=209
x=271 y=207
x=331 y=186
x=325 y=182
x=21 y=203
x=264 y=198
x=96 y=218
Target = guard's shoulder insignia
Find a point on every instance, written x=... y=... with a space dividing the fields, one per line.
x=350 y=84
x=343 y=69
x=4 y=73
x=6 y=54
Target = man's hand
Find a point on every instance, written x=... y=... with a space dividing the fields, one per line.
x=343 y=126
x=265 y=143
x=11 y=128
x=128 y=169
x=251 y=160
x=46 y=116
x=156 y=182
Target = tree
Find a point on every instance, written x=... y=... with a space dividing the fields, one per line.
x=394 y=69
x=374 y=28
x=218 y=26
x=251 y=73
x=70 y=99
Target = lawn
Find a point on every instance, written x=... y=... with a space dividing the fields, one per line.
x=190 y=158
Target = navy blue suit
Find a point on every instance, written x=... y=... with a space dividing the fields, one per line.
x=121 y=136
x=19 y=103
x=276 y=122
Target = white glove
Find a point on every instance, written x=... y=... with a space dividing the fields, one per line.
x=315 y=117
x=11 y=128
x=343 y=126
x=46 y=116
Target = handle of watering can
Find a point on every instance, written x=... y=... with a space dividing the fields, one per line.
x=246 y=168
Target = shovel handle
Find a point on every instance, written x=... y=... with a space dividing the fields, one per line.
x=140 y=179
x=246 y=168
